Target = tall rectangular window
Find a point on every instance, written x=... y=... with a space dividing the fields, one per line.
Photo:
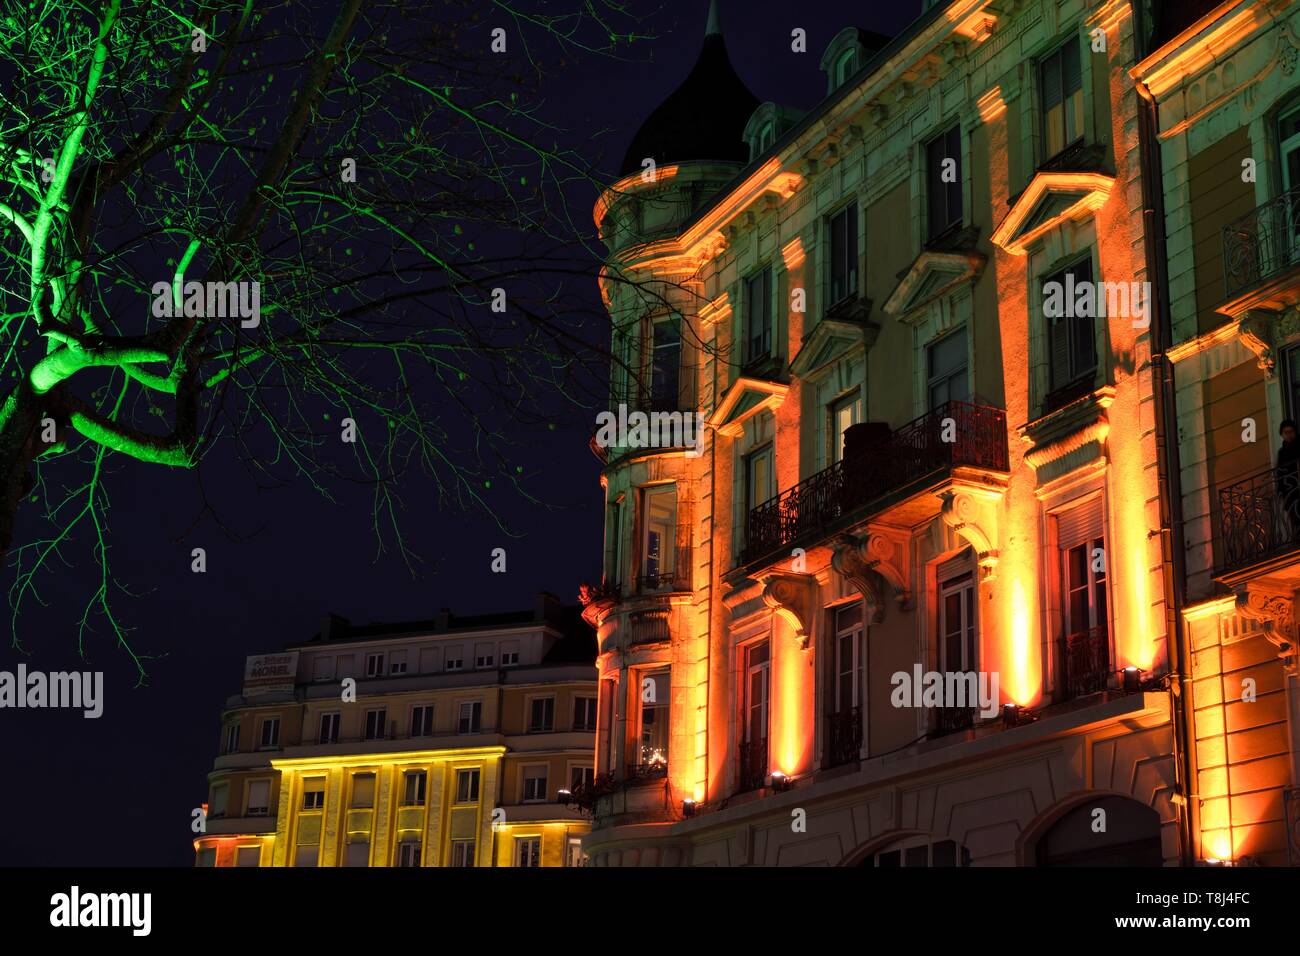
x=844 y=254
x=757 y=688
x=258 y=798
x=844 y=413
x=462 y=852
x=220 y=795
x=946 y=370
x=232 y=738
x=758 y=477
x=1084 y=649
x=580 y=778
x=665 y=364
x=375 y=665
x=758 y=316
x=584 y=713
x=471 y=717
x=848 y=657
x=376 y=723
x=658 y=545
x=329 y=728
x=1071 y=332
x=958 y=637
x=541 y=717
x=943 y=181
x=467 y=786
x=422 y=720
x=363 y=790
x=413 y=788
x=535 y=784
x=408 y=853
x=270 y=736
x=653 y=691
x=313 y=793
x=1061 y=83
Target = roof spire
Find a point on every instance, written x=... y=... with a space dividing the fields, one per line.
x=715 y=23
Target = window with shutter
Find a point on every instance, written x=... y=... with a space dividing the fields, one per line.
x=1071 y=331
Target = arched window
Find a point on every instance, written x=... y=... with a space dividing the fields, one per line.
x=919 y=850
x=845 y=66
x=1107 y=831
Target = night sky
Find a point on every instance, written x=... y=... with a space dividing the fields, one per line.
x=119 y=790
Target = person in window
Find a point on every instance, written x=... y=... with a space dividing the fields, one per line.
x=1287 y=476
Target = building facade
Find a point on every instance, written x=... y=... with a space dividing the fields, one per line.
x=912 y=597
x=1222 y=95
x=451 y=742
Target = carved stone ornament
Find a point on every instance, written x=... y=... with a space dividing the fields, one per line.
x=962 y=513
x=792 y=598
x=865 y=562
x=1276 y=614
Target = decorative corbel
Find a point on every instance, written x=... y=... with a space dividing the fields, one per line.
x=1275 y=611
x=792 y=598
x=1256 y=333
x=865 y=561
x=961 y=512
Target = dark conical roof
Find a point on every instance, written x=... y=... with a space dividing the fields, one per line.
x=703 y=119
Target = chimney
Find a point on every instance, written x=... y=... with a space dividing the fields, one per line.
x=334 y=627
x=547 y=606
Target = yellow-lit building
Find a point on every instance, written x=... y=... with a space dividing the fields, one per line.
x=452 y=742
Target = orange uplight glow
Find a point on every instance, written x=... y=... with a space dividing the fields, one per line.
x=1021 y=684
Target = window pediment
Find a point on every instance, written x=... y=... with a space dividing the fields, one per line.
x=743 y=400
x=1051 y=199
x=932 y=274
x=831 y=339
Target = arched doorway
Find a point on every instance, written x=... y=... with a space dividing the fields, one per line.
x=1130 y=835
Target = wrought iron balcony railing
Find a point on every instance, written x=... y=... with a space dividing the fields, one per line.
x=1262 y=244
x=1259 y=518
x=843 y=736
x=753 y=765
x=1085 y=662
x=951 y=720
x=978 y=438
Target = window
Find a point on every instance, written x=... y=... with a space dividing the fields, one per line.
x=758 y=316
x=1292 y=365
x=329 y=729
x=217 y=806
x=659 y=542
x=943 y=182
x=1084 y=650
x=541 y=717
x=848 y=657
x=1071 y=341
x=455 y=658
x=1062 y=91
x=528 y=851
x=580 y=778
x=375 y=665
x=766 y=137
x=322 y=669
x=845 y=412
x=357 y=852
x=584 y=713
x=248 y=856
x=397 y=662
x=958 y=637
x=467 y=786
x=757 y=688
x=313 y=794
x=535 y=784
x=758 y=477
x=232 y=738
x=258 y=798
x=306 y=855
x=654 y=692
x=462 y=852
x=573 y=853
x=270 y=735
x=665 y=364
x=946 y=370
x=510 y=654
x=1289 y=145
x=846 y=64
x=376 y=721
x=430 y=660
x=413 y=783
x=485 y=655
x=207 y=856
x=919 y=851
x=363 y=790
x=471 y=716
x=844 y=254
x=422 y=720
x=408 y=853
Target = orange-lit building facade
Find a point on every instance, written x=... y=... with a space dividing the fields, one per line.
x=452 y=742
x=912 y=461
x=1223 y=96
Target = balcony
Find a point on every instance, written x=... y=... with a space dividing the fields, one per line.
x=951 y=720
x=752 y=771
x=1261 y=250
x=906 y=461
x=1255 y=524
x=843 y=737
x=1085 y=662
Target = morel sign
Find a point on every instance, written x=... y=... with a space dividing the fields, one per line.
x=270 y=673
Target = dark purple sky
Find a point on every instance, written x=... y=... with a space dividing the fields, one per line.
x=119 y=790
